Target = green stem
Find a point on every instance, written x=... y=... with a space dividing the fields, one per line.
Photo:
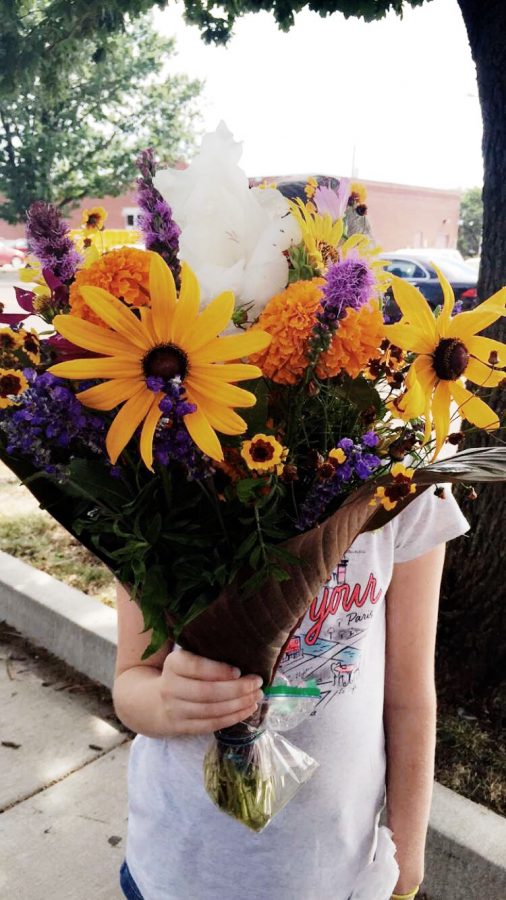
x=260 y=535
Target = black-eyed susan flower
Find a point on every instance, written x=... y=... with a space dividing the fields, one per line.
x=171 y=340
x=402 y=486
x=448 y=351
x=10 y=341
x=94 y=219
x=263 y=453
x=12 y=384
x=30 y=344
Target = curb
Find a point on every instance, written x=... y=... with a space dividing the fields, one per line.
x=77 y=629
x=465 y=845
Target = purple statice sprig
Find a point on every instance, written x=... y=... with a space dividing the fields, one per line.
x=333 y=478
x=49 y=426
x=161 y=232
x=49 y=240
x=349 y=284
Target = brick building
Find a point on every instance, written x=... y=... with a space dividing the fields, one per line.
x=400 y=215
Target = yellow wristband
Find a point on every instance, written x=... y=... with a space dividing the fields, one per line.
x=408 y=896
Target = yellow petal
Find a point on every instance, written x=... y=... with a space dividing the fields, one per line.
x=472 y=408
x=127 y=420
x=234 y=346
x=441 y=413
x=412 y=403
x=115 y=314
x=110 y=393
x=147 y=321
x=352 y=243
x=92 y=337
x=212 y=320
x=148 y=431
x=187 y=307
x=203 y=435
x=220 y=417
x=228 y=394
x=228 y=371
x=162 y=291
x=483 y=375
x=409 y=337
x=467 y=324
x=112 y=367
x=414 y=307
x=448 y=303
x=482 y=347
x=422 y=369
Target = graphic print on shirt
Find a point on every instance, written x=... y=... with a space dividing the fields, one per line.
x=330 y=642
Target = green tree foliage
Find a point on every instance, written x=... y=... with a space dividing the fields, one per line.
x=81 y=137
x=36 y=36
x=471 y=223
x=216 y=19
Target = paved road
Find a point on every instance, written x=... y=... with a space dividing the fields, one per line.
x=63 y=759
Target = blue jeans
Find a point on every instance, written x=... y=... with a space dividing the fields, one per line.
x=127 y=884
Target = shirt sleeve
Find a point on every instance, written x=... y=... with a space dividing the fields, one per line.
x=427 y=521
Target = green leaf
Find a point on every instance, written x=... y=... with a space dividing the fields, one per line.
x=155 y=588
x=359 y=391
x=93 y=480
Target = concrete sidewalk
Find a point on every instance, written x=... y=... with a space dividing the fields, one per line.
x=63 y=758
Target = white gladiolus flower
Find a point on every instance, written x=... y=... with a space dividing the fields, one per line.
x=233 y=237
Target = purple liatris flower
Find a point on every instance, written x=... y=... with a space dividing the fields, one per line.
x=161 y=233
x=49 y=240
x=49 y=425
x=349 y=283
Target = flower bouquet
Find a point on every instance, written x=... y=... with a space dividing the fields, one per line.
x=218 y=416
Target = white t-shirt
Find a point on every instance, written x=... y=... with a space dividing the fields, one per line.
x=181 y=846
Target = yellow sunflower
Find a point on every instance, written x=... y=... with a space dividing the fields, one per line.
x=320 y=234
x=322 y=239
x=170 y=339
x=448 y=351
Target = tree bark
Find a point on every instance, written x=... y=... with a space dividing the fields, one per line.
x=473 y=629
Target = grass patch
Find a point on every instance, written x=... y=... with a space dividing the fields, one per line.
x=38 y=540
x=471 y=756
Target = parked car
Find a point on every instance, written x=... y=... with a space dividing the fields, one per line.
x=417 y=267
x=11 y=256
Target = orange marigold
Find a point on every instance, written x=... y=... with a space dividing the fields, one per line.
x=123 y=272
x=356 y=342
x=289 y=318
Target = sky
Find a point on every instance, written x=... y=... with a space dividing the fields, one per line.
x=394 y=100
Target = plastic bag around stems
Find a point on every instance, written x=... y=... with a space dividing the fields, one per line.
x=250 y=770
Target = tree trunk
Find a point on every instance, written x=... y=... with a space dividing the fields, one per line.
x=473 y=632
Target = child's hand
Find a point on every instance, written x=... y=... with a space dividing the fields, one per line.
x=200 y=696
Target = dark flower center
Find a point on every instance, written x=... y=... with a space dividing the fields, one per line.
x=31 y=344
x=165 y=361
x=261 y=451
x=9 y=384
x=450 y=359
x=7 y=342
